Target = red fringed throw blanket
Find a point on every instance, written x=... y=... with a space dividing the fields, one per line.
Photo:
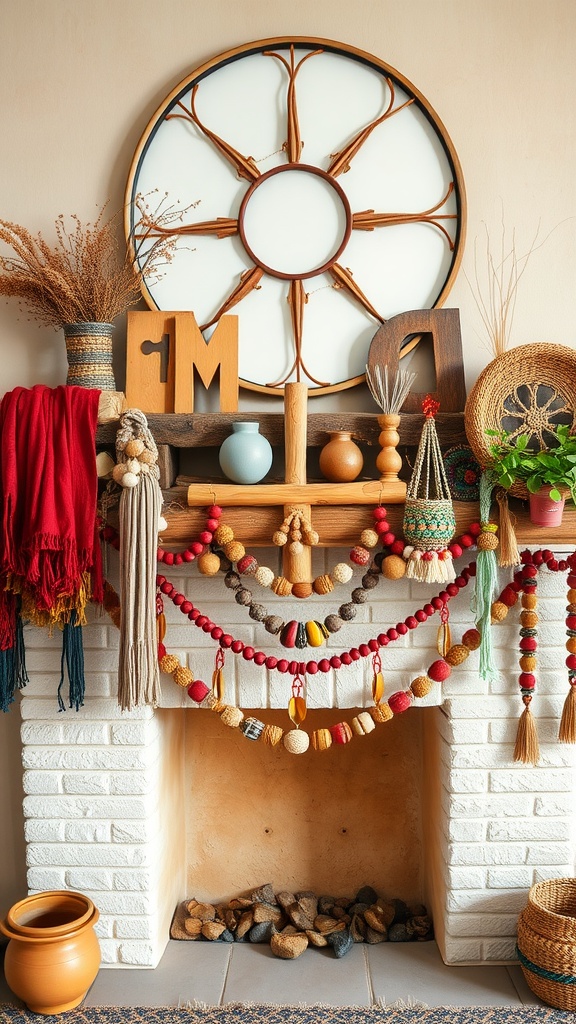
x=50 y=560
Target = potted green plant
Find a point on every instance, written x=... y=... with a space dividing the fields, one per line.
x=549 y=475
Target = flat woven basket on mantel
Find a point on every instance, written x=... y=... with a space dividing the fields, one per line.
x=547 y=942
x=529 y=388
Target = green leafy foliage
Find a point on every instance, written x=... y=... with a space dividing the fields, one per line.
x=554 y=467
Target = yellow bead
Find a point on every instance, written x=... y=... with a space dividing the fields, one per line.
x=393 y=567
x=381 y=712
x=209 y=564
x=529 y=619
x=499 y=611
x=457 y=654
x=223 y=534
x=421 y=686
x=234 y=550
x=183 y=676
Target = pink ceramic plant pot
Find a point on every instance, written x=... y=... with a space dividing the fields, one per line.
x=544 y=511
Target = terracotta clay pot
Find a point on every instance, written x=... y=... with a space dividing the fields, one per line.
x=341 y=460
x=53 y=955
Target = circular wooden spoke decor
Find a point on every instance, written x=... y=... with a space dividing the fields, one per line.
x=320 y=196
x=530 y=389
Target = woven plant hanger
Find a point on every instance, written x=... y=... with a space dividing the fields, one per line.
x=507 y=392
x=429 y=522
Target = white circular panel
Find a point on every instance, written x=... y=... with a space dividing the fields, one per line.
x=388 y=193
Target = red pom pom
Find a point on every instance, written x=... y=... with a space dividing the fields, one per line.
x=397 y=547
x=193 y=615
x=216 y=632
x=430 y=406
x=571 y=661
x=392 y=634
x=399 y=701
x=452 y=589
x=379 y=512
x=466 y=541
x=335 y=661
x=373 y=645
x=571 y=621
x=212 y=524
x=178 y=559
x=168 y=557
x=259 y=658
x=354 y=654
x=475 y=529
x=196 y=547
x=383 y=640
x=226 y=640
x=346 y=659
x=455 y=550
x=439 y=670
x=411 y=622
x=419 y=615
x=312 y=668
x=293 y=668
x=197 y=691
x=282 y=665
x=382 y=527
x=360 y=555
x=364 y=650
x=205 y=537
x=429 y=609
x=271 y=662
x=248 y=653
x=527 y=680
x=401 y=628
x=437 y=603
x=188 y=556
x=388 y=539
x=324 y=665
x=509 y=597
x=237 y=646
x=528 y=643
x=215 y=511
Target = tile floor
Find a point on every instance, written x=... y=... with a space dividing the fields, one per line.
x=217 y=973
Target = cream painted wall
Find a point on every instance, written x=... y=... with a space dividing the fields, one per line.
x=79 y=81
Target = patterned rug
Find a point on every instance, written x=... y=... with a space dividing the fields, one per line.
x=268 y=1014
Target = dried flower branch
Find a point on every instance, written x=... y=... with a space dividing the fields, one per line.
x=496 y=300
x=85 y=276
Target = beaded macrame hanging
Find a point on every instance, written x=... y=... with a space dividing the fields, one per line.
x=429 y=522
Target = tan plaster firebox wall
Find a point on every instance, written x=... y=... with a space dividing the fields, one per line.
x=330 y=822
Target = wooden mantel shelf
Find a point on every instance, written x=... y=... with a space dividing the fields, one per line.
x=208 y=430
x=338 y=525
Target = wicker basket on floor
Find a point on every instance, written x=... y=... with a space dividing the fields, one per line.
x=547 y=942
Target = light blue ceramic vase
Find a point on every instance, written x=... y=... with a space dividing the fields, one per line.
x=245 y=456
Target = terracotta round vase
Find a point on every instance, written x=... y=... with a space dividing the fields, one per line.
x=544 y=511
x=341 y=460
x=246 y=455
x=53 y=955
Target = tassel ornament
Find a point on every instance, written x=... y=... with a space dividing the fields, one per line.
x=508 y=554
x=526 y=748
x=567 y=731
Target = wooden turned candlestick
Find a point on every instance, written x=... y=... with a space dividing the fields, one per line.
x=296 y=567
x=389 y=461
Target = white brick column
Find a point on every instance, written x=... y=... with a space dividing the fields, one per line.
x=96 y=801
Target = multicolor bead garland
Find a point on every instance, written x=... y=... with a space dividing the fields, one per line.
x=297 y=741
x=526 y=748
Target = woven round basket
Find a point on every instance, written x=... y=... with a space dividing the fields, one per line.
x=531 y=388
x=547 y=942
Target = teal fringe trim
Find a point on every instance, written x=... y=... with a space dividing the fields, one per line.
x=73 y=659
x=486 y=582
x=13 y=674
x=564 y=979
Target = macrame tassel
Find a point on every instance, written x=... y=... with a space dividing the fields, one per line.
x=526 y=748
x=486 y=580
x=567 y=731
x=73 y=659
x=140 y=507
x=509 y=554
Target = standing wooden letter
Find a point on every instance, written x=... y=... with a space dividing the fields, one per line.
x=163 y=350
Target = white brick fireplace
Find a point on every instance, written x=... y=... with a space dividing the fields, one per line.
x=102 y=786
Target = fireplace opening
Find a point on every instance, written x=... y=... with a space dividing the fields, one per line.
x=330 y=821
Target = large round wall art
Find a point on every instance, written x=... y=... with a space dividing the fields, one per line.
x=310 y=189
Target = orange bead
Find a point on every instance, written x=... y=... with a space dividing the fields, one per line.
x=571 y=645
x=529 y=619
x=529 y=601
x=527 y=662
